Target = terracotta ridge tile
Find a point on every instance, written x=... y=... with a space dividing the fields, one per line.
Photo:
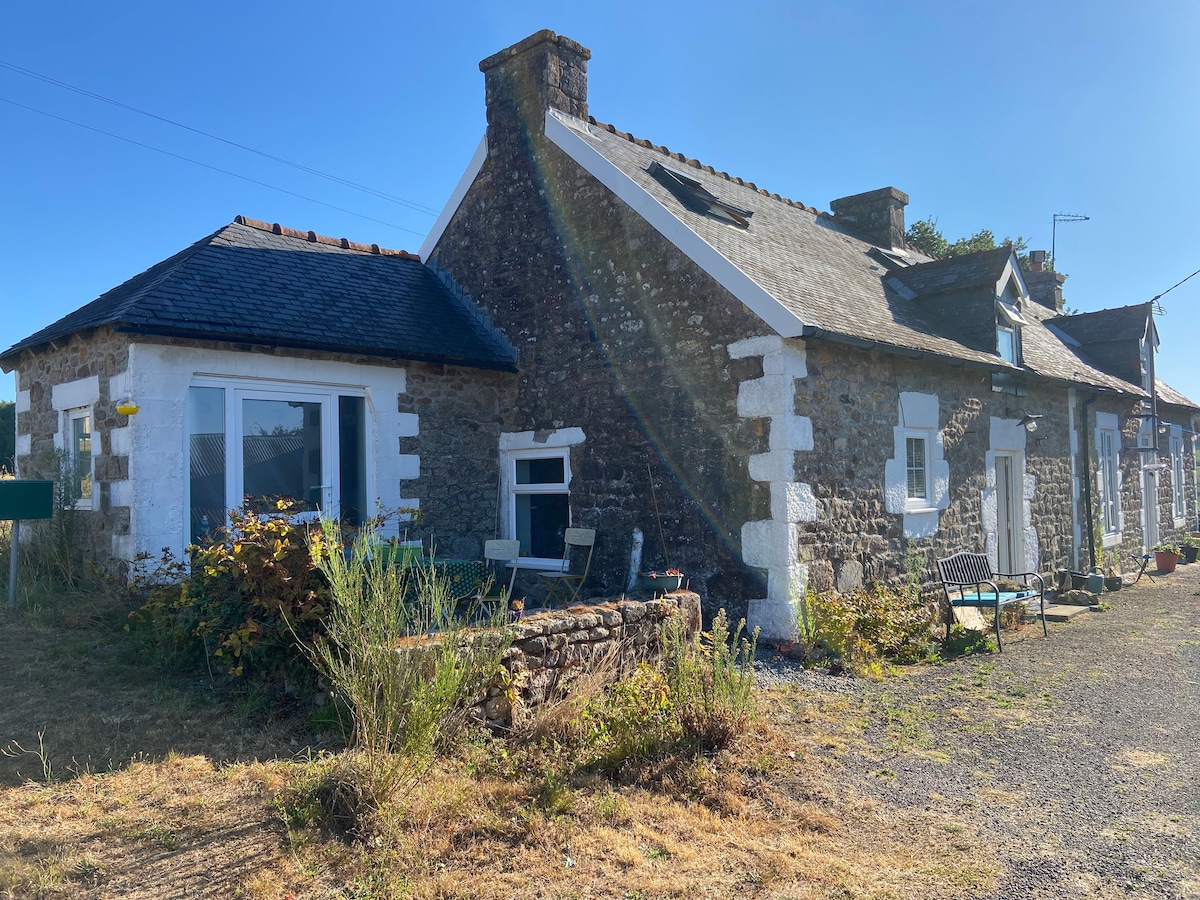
x=313 y=238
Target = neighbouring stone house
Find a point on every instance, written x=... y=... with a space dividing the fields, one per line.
x=600 y=332
x=266 y=362
x=769 y=397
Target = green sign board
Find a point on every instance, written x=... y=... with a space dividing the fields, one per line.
x=26 y=499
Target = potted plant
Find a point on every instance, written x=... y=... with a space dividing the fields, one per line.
x=1191 y=546
x=1165 y=558
x=661 y=582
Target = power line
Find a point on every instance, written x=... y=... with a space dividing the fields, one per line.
x=1157 y=297
x=204 y=165
x=29 y=73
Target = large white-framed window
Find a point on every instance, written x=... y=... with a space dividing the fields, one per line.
x=1179 y=499
x=1108 y=445
x=80 y=463
x=250 y=443
x=535 y=485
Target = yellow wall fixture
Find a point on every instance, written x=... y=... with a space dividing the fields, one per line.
x=126 y=405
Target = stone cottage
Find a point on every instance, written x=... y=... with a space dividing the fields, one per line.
x=764 y=395
x=264 y=362
x=601 y=332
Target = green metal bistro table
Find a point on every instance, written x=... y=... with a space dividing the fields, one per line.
x=463 y=577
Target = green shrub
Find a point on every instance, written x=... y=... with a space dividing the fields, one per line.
x=698 y=700
x=240 y=603
x=872 y=624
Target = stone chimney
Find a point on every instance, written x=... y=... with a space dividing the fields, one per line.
x=1045 y=286
x=544 y=71
x=876 y=215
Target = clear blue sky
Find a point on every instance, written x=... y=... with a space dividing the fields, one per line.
x=988 y=115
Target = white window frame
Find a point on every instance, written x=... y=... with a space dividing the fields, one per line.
x=1108 y=455
x=1177 y=480
x=236 y=390
x=1004 y=331
x=70 y=417
x=531 y=445
x=924 y=501
x=918 y=416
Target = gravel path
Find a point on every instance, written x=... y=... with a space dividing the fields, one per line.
x=1076 y=760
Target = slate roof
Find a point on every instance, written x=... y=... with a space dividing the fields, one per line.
x=254 y=283
x=957 y=273
x=823 y=271
x=1168 y=394
x=1125 y=323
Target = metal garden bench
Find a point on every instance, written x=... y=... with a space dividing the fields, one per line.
x=968 y=580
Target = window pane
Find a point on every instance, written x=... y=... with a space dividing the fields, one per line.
x=548 y=470
x=541 y=521
x=916 y=468
x=281 y=451
x=81 y=437
x=352 y=477
x=206 y=454
x=1005 y=345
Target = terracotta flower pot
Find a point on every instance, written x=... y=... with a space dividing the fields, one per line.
x=1165 y=561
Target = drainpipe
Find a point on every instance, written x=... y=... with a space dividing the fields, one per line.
x=1087 y=478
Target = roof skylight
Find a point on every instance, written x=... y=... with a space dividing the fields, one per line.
x=692 y=194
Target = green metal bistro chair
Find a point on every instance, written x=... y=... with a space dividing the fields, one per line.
x=502 y=552
x=563 y=582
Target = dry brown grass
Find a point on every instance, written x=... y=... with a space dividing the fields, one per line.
x=162 y=789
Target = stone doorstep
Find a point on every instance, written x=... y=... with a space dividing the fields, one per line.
x=1060 y=612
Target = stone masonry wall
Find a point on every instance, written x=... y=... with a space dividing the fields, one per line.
x=460 y=411
x=854 y=538
x=104 y=355
x=551 y=648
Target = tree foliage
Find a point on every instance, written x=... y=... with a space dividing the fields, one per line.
x=8 y=435
x=925 y=236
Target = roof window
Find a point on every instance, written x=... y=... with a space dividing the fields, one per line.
x=693 y=195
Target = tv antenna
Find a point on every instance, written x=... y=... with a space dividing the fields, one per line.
x=1061 y=217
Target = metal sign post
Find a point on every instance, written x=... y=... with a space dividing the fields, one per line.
x=23 y=500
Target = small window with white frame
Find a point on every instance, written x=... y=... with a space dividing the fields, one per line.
x=79 y=461
x=540 y=508
x=916 y=444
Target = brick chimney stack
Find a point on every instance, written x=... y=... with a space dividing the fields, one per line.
x=544 y=71
x=876 y=215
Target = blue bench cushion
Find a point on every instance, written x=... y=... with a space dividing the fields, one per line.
x=987 y=598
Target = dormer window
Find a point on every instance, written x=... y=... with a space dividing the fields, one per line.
x=1008 y=331
x=696 y=197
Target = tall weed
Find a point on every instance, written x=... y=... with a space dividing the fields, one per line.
x=404 y=661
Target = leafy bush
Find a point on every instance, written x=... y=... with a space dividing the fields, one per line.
x=403 y=660
x=241 y=603
x=697 y=701
x=873 y=623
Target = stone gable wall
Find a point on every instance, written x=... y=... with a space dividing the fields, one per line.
x=622 y=336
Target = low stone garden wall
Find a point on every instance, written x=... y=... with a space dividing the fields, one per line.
x=552 y=646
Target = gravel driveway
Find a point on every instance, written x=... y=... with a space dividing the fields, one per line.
x=1074 y=760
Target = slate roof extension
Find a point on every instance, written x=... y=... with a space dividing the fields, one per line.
x=820 y=269
x=255 y=283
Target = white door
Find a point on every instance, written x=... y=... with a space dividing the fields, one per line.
x=1008 y=515
x=1150 y=506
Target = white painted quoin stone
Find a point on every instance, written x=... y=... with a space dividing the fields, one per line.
x=772 y=544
